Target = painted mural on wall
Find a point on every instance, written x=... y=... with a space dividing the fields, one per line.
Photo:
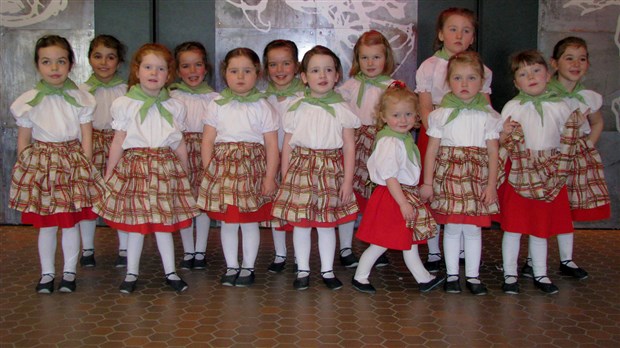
x=20 y=13
x=334 y=24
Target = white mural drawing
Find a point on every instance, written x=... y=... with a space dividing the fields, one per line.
x=20 y=13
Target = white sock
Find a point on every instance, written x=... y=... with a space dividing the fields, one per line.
x=473 y=249
x=302 y=240
x=47 y=249
x=135 y=242
x=415 y=266
x=279 y=243
x=203 y=223
x=367 y=261
x=462 y=251
x=230 y=244
x=511 y=242
x=122 y=242
x=565 y=246
x=452 y=247
x=327 y=249
x=187 y=239
x=345 y=236
x=70 y=248
x=433 y=246
x=165 y=244
x=538 y=249
x=250 y=234
x=87 y=231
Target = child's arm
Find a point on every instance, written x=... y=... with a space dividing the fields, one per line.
x=273 y=154
x=286 y=154
x=596 y=125
x=87 y=139
x=348 y=152
x=426 y=191
x=397 y=193
x=207 y=145
x=426 y=106
x=507 y=128
x=181 y=152
x=489 y=195
x=116 y=152
x=24 y=137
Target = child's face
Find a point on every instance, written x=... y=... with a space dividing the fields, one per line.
x=532 y=79
x=400 y=116
x=104 y=61
x=53 y=65
x=281 y=67
x=371 y=60
x=465 y=82
x=153 y=74
x=241 y=75
x=573 y=64
x=457 y=34
x=321 y=75
x=192 y=69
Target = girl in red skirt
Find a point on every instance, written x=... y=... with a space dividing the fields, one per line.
x=539 y=136
x=54 y=182
x=395 y=217
x=148 y=188
x=460 y=169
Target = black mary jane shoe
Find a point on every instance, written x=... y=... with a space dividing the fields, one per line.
x=88 y=261
x=230 y=279
x=477 y=289
x=365 y=288
x=247 y=280
x=45 y=288
x=277 y=267
x=382 y=261
x=302 y=283
x=67 y=286
x=428 y=286
x=511 y=288
x=200 y=263
x=177 y=285
x=349 y=261
x=527 y=270
x=433 y=266
x=452 y=286
x=547 y=288
x=578 y=273
x=127 y=287
x=331 y=283
x=187 y=264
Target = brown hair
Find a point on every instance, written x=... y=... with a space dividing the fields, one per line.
x=281 y=44
x=470 y=58
x=396 y=92
x=529 y=57
x=562 y=45
x=317 y=51
x=443 y=17
x=156 y=49
x=192 y=46
x=109 y=41
x=371 y=38
x=54 y=40
x=240 y=52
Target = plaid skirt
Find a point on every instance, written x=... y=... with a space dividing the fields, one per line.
x=148 y=192
x=384 y=225
x=230 y=189
x=193 y=141
x=101 y=148
x=309 y=193
x=364 y=139
x=587 y=190
x=461 y=175
x=54 y=184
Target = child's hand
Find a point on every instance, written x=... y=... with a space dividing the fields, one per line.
x=346 y=193
x=489 y=195
x=407 y=211
x=418 y=122
x=509 y=126
x=268 y=187
x=426 y=193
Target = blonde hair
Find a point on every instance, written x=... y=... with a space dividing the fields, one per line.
x=470 y=58
x=396 y=92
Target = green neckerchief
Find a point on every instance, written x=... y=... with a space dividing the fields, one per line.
x=442 y=53
x=136 y=92
x=290 y=91
x=331 y=98
x=407 y=138
x=451 y=101
x=375 y=81
x=547 y=96
x=45 y=89
x=202 y=88
x=558 y=88
x=228 y=96
x=95 y=83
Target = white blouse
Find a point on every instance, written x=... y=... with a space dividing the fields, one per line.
x=469 y=128
x=372 y=94
x=313 y=127
x=104 y=96
x=593 y=100
x=281 y=107
x=241 y=122
x=389 y=160
x=54 y=119
x=196 y=105
x=431 y=77
x=155 y=131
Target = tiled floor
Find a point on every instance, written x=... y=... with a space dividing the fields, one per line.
x=271 y=313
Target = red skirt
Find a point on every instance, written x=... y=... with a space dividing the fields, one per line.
x=422 y=146
x=62 y=220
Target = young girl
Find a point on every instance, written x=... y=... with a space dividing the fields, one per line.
x=539 y=135
x=240 y=155
x=53 y=181
x=396 y=217
x=281 y=60
x=460 y=169
x=148 y=188
x=196 y=94
x=373 y=63
x=105 y=54
x=317 y=165
x=456 y=30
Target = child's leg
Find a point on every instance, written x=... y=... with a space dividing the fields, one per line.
x=367 y=261
x=538 y=249
x=452 y=248
x=122 y=242
x=135 y=242
x=203 y=223
x=327 y=249
x=279 y=244
x=87 y=230
x=250 y=234
x=415 y=266
x=187 y=238
x=230 y=246
x=70 y=251
x=165 y=244
x=47 y=252
x=473 y=249
x=434 y=252
x=462 y=251
x=302 y=242
x=511 y=243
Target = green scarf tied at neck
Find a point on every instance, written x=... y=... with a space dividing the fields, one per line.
x=95 y=83
x=228 y=96
x=375 y=81
x=202 y=88
x=442 y=53
x=331 y=98
x=407 y=138
x=136 y=92
x=45 y=89
x=547 y=96
x=558 y=88
x=290 y=91
x=451 y=101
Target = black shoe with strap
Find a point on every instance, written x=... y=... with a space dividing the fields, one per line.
x=349 y=261
x=578 y=273
x=243 y=281
x=547 y=288
x=302 y=283
x=67 y=285
x=277 y=267
x=88 y=261
x=433 y=266
x=128 y=286
x=187 y=264
x=331 y=283
x=177 y=285
x=477 y=289
x=45 y=288
x=511 y=288
x=230 y=279
x=200 y=263
x=361 y=287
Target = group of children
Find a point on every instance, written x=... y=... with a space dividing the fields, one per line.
x=155 y=156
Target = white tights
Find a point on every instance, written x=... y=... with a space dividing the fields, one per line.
x=327 y=247
x=202 y=234
x=70 y=248
x=165 y=245
x=411 y=257
x=87 y=231
x=472 y=237
x=510 y=253
x=250 y=242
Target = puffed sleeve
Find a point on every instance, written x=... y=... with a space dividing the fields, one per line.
x=347 y=118
x=271 y=121
x=121 y=114
x=20 y=109
x=435 y=124
x=492 y=126
x=593 y=100
x=488 y=77
x=386 y=155
x=424 y=76
x=210 y=116
x=88 y=103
